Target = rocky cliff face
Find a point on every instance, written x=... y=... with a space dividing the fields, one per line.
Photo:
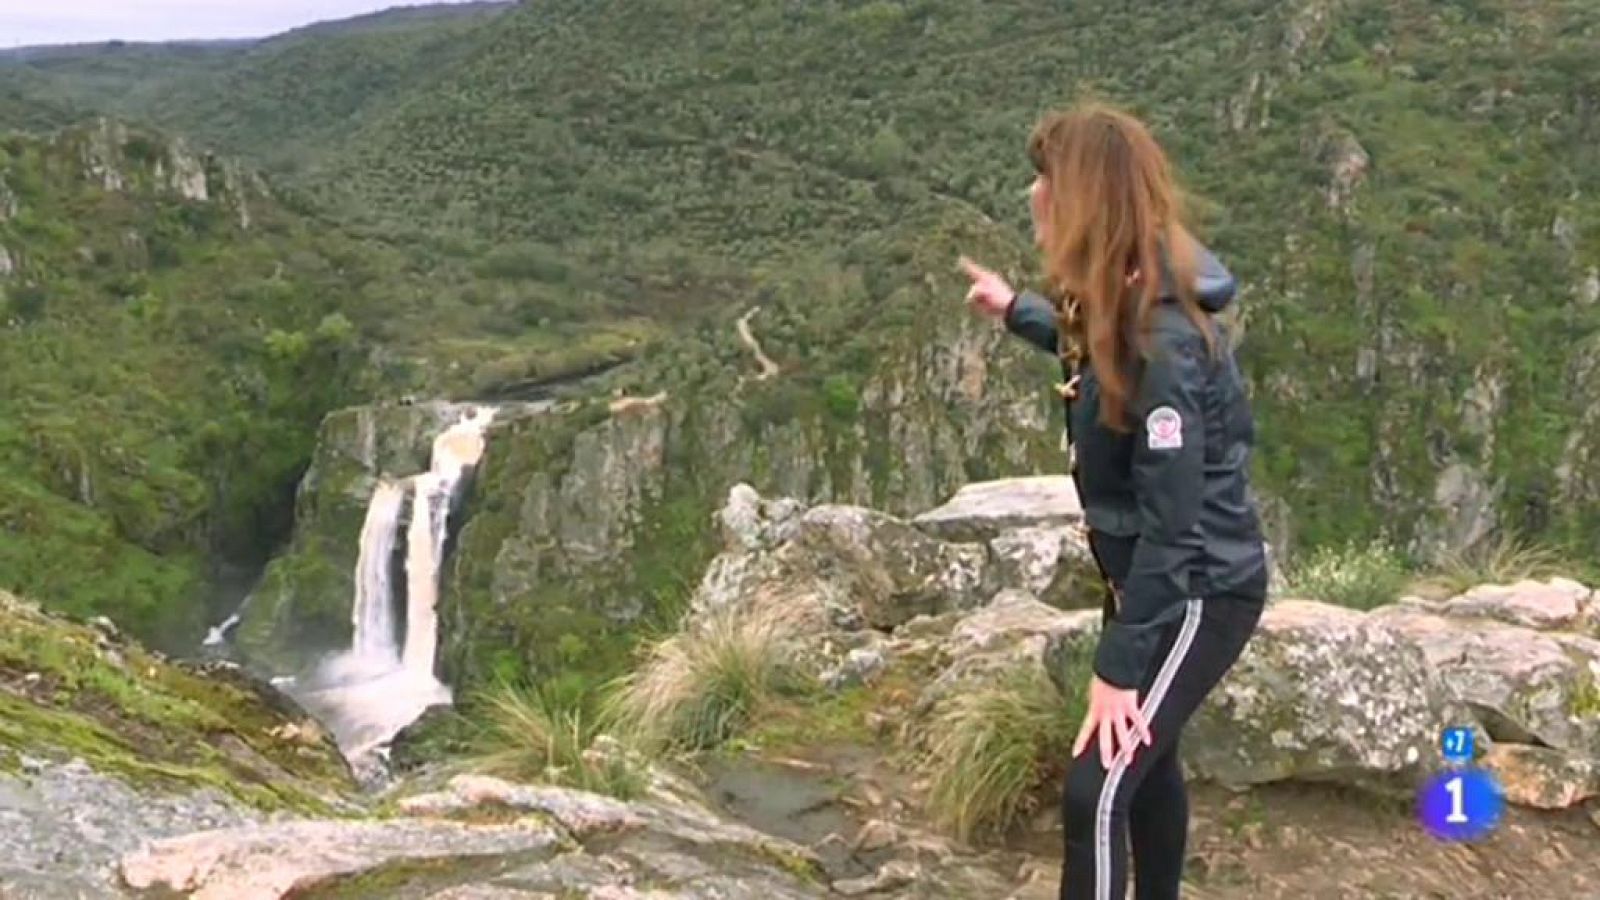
x=597 y=517
x=121 y=160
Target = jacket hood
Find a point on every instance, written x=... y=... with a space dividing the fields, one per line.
x=1214 y=286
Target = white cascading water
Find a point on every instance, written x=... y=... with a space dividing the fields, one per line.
x=217 y=636
x=454 y=452
x=382 y=684
x=372 y=614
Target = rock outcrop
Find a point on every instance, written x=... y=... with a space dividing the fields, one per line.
x=119 y=158
x=266 y=862
x=482 y=837
x=1322 y=693
x=987 y=510
x=62 y=825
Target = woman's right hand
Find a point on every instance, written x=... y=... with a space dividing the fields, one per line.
x=990 y=294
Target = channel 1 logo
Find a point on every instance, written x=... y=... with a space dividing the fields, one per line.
x=1464 y=802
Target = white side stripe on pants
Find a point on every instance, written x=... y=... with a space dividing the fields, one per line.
x=1152 y=701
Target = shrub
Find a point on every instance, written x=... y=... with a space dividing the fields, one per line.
x=1353 y=575
x=528 y=261
x=28 y=303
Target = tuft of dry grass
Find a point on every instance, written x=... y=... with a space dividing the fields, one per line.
x=702 y=686
x=989 y=749
x=1505 y=559
x=528 y=735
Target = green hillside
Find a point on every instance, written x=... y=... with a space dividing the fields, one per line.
x=172 y=333
x=1407 y=190
x=30 y=101
x=1390 y=179
x=277 y=102
x=163 y=364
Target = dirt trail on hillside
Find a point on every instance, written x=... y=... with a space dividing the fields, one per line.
x=747 y=336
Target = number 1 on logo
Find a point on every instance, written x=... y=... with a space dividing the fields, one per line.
x=1458 y=801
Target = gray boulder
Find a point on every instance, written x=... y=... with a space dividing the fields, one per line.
x=268 y=862
x=1522 y=685
x=482 y=837
x=891 y=571
x=1555 y=605
x=983 y=511
x=1323 y=693
x=1015 y=631
x=1053 y=563
x=838 y=566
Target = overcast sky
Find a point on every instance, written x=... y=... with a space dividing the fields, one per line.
x=24 y=22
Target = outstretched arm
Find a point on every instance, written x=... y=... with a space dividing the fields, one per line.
x=1025 y=314
x=1033 y=318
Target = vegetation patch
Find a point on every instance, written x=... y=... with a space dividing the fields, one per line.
x=1585 y=699
x=1358 y=576
x=1504 y=559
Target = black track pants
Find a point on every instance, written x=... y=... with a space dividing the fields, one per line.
x=1143 y=800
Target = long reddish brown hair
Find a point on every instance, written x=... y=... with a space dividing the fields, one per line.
x=1113 y=219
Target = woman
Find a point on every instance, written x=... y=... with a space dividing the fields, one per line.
x=1161 y=432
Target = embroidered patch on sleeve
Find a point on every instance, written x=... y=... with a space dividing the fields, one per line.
x=1165 y=428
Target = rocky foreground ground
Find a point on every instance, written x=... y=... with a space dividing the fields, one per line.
x=1304 y=757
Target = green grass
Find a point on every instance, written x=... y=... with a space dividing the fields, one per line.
x=816 y=717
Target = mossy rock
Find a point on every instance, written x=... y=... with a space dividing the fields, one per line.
x=69 y=689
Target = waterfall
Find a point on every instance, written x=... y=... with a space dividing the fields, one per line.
x=217 y=635
x=424 y=546
x=386 y=679
x=235 y=585
x=372 y=614
x=454 y=453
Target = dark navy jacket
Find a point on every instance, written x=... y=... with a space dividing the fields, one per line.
x=1167 y=502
